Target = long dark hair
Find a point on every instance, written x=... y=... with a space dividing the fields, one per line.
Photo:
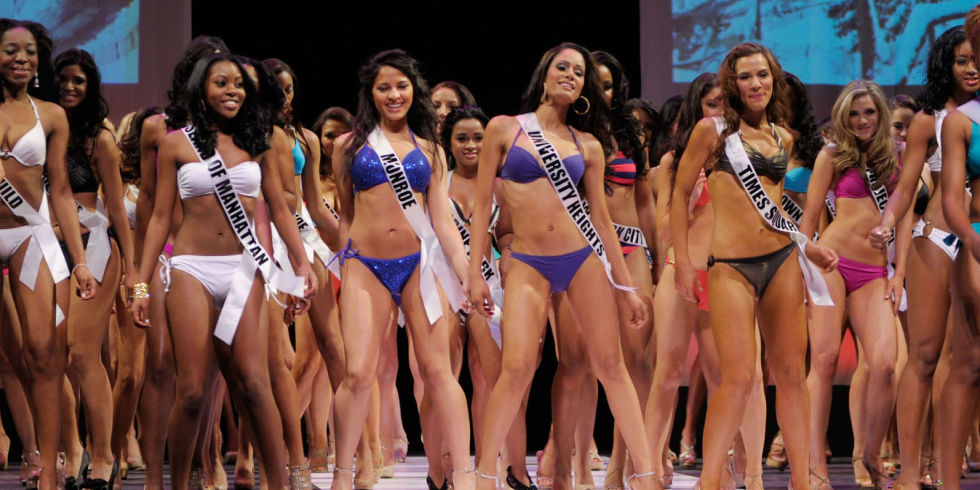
x=808 y=141
x=330 y=113
x=668 y=116
x=690 y=113
x=275 y=67
x=939 y=70
x=456 y=115
x=655 y=126
x=198 y=48
x=48 y=88
x=88 y=118
x=129 y=144
x=778 y=109
x=421 y=115
x=625 y=128
x=596 y=120
x=249 y=128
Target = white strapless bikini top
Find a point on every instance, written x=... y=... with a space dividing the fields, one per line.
x=193 y=179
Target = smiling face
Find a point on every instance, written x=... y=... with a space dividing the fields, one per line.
x=712 y=104
x=753 y=77
x=331 y=129
x=225 y=89
x=566 y=77
x=965 y=69
x=606 y=79
x=18 y=56
x=467 y=141
x=863 y=118
x=392 y=92
x=73 y=85
x=445 y=99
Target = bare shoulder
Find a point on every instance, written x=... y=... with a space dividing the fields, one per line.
x=51 y=114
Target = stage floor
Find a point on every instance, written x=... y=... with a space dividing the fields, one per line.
x=411 y=476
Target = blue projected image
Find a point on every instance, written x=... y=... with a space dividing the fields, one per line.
x=829 y=42
x=109 y=29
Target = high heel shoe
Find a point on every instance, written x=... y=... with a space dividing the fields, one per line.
x=318 y=460
x=244 y=478
x=818 y=482
x=100 y=483
x=629 y=480
x=300 y=478
x=688 y=458
x=862 y=478
x=432 y=485
x=595 y=460
x=33 y=470
x=879 y=481
x=777 y=454
x=400 y=450
x=516 y=484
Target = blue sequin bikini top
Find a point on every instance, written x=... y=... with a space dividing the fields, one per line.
x=367 y=171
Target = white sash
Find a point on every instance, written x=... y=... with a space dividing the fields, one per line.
x=253 y=255
x=313 y=241
x=831 y=202
x=567 y=191
x=745 y=173
x=792 y=209
x=331 y=209
x=43 y=242
x=98 y=249
x=488 y=268
x=971 y=110
x=630 y=235
x=433 y=264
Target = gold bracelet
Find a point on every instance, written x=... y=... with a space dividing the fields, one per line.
x=141 y=290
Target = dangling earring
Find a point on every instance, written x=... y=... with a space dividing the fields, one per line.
x=587 y=106
x=37 y=82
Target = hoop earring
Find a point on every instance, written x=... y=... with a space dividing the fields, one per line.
x=588 y=106
x=37 y=82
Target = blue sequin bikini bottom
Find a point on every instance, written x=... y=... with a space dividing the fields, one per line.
x=393 y=273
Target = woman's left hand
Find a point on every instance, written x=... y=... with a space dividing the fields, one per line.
x=85 y=280
x=824 y=257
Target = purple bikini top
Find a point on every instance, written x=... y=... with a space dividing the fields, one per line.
x=522 y=167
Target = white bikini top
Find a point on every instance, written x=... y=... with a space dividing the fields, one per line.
x=194 y=180
x=935 y=160
x=31 y=149
x=130 y=204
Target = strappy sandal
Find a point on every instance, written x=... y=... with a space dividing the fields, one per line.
x=777 y=455
x=818 y=482
x=688 y=458
x=516 y=484
x=300 y=477
x=400 y=450
x=879 y=480
x=862 y=478
x=634 y=476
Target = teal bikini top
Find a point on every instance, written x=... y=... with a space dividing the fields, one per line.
x=973 y=153
x=299 y=158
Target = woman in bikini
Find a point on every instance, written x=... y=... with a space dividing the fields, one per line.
x=565 y=96
x=754 y=268
x=210 y=268
x=951 y=80
x=35 y=139
x=395 y=255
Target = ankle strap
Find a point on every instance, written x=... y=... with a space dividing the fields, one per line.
x=484 y=475
x=338 y=469
x=468 y=469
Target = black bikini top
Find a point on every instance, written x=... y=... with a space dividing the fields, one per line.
x=773 y=167
x=81 y=177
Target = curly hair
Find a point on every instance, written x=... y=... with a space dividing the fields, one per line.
x=250 y=127
x=88 y=118
x=198 y=48
x=777 y=111
x=881 y=155
x=808 y=141
x=939 y=70
x=596 y=120
x=421 y=115
x=625 y=128
x=47 y=88
x=129 y=144
x=458 y=114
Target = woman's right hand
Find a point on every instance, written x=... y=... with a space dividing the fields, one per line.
x=824 y=257
x=879 y=236
x=479 y=294
x=140 y=307
x=686 y=281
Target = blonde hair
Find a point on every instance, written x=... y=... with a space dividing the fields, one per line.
x=881 y=156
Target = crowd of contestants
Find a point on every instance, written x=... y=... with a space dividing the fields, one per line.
x=203 y=238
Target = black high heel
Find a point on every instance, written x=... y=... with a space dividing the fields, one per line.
x=516 y=484
x=432 y=485
x=99 y=483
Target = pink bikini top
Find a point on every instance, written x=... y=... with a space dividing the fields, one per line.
x=854 y=185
